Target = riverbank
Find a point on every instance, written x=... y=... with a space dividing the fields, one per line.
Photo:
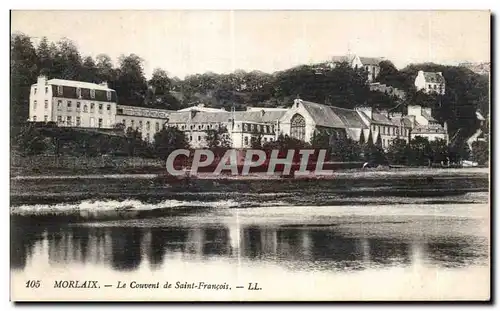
x=157 y=188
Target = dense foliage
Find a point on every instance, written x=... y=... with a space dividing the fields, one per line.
x=341 y=86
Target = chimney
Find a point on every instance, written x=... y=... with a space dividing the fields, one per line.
x=41 y=81
x=296 y=102
x=192 y=113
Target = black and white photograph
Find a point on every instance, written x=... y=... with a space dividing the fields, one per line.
x=250 y=155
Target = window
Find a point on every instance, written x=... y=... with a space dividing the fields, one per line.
x=199 y=127
x=271 y=139
x=108 y=107
x=59 y=119
x=397 y=131
x=140 y=125
x=59 y=90
x=34 y=118
x=46 y=89
x=378 y=128
x=108 y=95
x=79 y=92
x=46 y=104
x=199 y=137
x=100 y=122
x=245 y=127
x=267 y=128
x=77 y=106
x=69 y=105
x=45 y=118
x=100 y=107
x=192 y=127
x=68 y=121
x=92 y=94
x=265 y=139
x=148 y=125
x=85 y=108
x=59 y=104
x=183 y=126
x=34 y=92
x=124 y=122
x=246 y=140
x=92 y=106
x=157 y=126
x=298 y=127
x=34 y=104
x=78 y=121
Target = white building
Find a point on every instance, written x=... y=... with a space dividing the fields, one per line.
x=370 y=64
x=424 y=125
x=72 y=103
x=430 y=82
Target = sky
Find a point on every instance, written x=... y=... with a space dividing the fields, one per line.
x=188 y=42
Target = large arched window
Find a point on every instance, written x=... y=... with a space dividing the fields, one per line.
x=298 y=127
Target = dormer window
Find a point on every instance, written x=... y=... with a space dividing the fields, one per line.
x=59 y=90
x=108 y=95
x=92 y=94
x=79 y=92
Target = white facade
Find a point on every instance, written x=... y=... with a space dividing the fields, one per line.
x=430 y=82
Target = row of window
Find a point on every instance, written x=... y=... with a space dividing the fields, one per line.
x=389 y=130
x=252 y=139
x=139 y=125
x=78 y=92
x=46 y=104
x=78 y=121
x=435 y=87
x=69 y=106
x=258 y=128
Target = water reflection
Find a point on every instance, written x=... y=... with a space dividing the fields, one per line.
x=127 y=248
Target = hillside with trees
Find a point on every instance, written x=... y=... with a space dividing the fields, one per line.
x=341 y=86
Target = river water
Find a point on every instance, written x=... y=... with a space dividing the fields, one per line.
x=361 y=248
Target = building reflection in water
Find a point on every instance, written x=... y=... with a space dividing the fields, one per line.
x=125 y=248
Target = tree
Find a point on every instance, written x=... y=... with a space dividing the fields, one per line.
x=168 y=140
x=218 y=139
x=439 y=150
x=89 y=70
x=23 y=73
x=131 y=85
x=481 y=152
x=29 y=141
x=256 y=141
x=398 y=152
x=67 y=62
x=421 y=152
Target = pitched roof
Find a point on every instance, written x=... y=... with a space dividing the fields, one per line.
x=350 y=117
x=428 y=116
x=371 y=60
x=433 y=77
x=329 y=116
x=80 y=84
x=258 y=116
x=341 y=59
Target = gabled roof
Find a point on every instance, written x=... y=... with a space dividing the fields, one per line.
x=80 y=84
x=329 y=116
x=433 y=77
x=371 y=60
x=428 y=116
x=341 y=59
x=350 y=117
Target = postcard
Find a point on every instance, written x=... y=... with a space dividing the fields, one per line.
x=189 y=155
